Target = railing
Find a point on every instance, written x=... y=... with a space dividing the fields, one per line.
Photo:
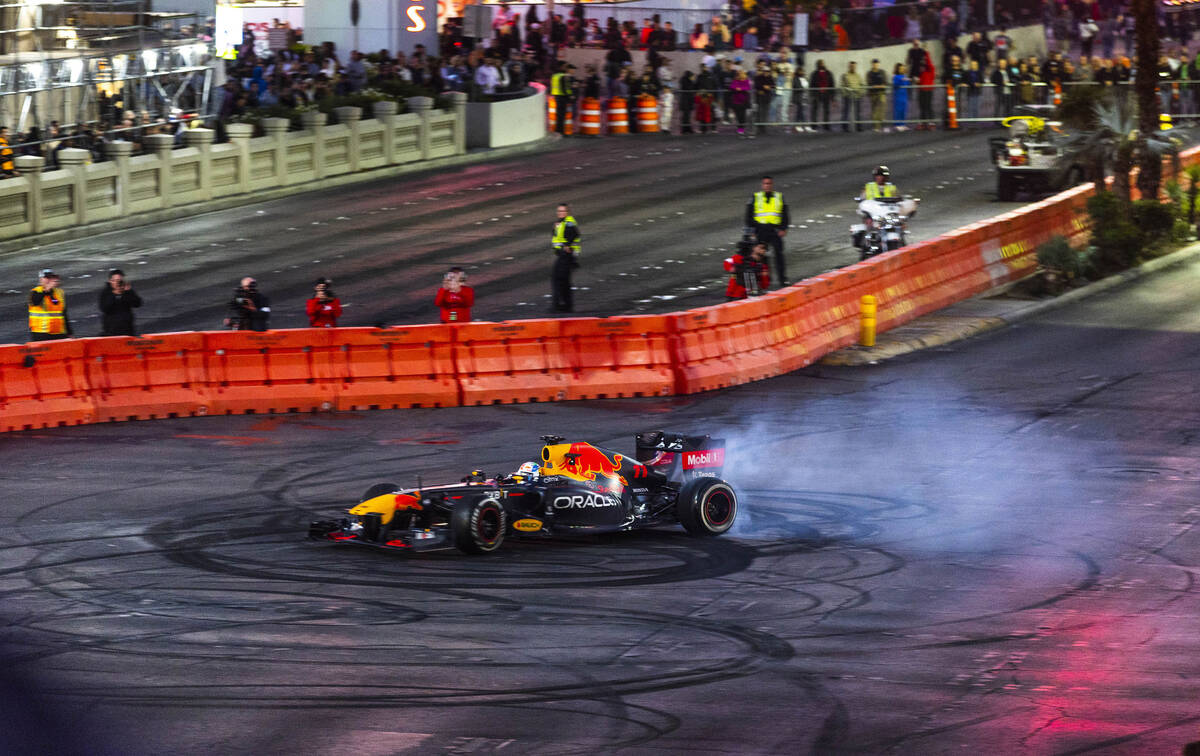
x=84 y=192
x=913 y=105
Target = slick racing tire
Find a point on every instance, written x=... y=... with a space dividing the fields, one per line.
x=707 y=507
x=479 y=526
x=379 y=489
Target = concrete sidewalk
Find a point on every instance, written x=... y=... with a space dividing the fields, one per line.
x=987 y=312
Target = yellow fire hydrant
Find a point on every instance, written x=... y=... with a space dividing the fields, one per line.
x=866 y=331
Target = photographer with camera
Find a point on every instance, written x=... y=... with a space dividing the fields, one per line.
x=751 y=276
x=324 y=308
x=249 y=309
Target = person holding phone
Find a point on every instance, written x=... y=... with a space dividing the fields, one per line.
x=117 y=302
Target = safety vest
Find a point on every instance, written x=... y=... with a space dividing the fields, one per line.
x=560 y=84
x=48 y=317
x=768 y=211
x=874 y=191
x=560 y=233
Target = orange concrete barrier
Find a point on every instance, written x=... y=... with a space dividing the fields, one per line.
x=273 y=371
x=147 y=378
x=509 y=362
x=618 y=116
x=393 y=368
x=646 y=114
x=589 y=117
x=552 y=116
x=69 y=382
x=615 y=357
x=44 y=386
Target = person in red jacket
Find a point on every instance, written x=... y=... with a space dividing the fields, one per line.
x=324 y=308
x=925 y=94
x=455 y=298
x=747 y=268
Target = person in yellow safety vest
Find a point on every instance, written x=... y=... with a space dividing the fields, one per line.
x=562 y=89
x=6 y=153
x=767 y=214
x=566 y=258
x=48 y=309
x=880 y=186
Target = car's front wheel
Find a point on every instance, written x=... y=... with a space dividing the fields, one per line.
x=707 y=506
x=478 y=526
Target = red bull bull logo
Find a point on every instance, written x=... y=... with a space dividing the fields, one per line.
x=583 y=461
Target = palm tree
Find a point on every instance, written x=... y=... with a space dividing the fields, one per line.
x=1111 y=144
x=1119 y=144
x=1146 y=83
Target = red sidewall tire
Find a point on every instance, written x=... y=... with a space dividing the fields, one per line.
x=707 y=507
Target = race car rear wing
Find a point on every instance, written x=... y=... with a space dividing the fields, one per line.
x=680 y=457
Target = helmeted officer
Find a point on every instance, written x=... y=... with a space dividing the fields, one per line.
x=767 y=214
x=48 y=309
x=562 y=89
x=566 y=258
x=880 y=186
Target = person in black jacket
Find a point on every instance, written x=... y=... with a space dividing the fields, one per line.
x=117 y=302
x=249 y=309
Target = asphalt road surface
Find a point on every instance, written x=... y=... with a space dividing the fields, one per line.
x=659 y=214
x=985 y=548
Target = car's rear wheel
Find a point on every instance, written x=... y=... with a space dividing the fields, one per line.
x=707 y=506
x=479 y=526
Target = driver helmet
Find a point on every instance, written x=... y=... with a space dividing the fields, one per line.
x=531 y=469
x=882 y=171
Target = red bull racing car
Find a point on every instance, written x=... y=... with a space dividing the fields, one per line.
x=576 y=488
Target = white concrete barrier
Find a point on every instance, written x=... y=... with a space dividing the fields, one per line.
x=82 y=192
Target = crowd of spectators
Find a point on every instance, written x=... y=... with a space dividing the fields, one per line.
x=754 y=38
x=753 y=25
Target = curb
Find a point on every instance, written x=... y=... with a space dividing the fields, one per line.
x=34 y=241
x=939 y=330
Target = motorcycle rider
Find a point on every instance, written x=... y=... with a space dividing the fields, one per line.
x=880 y=186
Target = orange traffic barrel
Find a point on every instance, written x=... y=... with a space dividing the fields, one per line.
x=618 y=116
x=646 y=111
x=552 y=116
x=589 y=117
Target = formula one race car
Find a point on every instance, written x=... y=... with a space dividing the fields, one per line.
x=576 y=488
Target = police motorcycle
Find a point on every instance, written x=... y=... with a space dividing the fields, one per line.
x=883 y=222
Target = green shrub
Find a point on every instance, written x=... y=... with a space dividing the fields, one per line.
x=1056 y=254
x=1155 y=219
x=1181 y=231
x=1117 y=247
x=1176 y=198
x=1117 y=239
